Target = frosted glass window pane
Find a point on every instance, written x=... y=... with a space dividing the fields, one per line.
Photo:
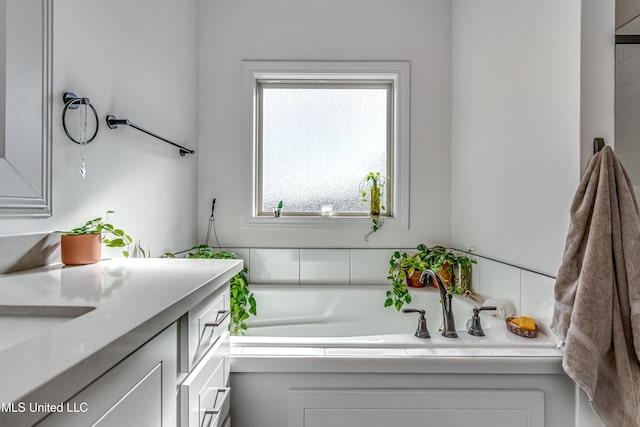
x=318 y=144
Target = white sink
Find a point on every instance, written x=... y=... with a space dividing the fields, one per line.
x=20 y=322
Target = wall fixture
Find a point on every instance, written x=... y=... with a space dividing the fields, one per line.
x=598 y=144
x=80 y=122
x=74 y=102
x=113 y=123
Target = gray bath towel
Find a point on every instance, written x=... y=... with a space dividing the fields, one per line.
x=597 y=309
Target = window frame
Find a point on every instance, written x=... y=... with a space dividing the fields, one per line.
x=386 y=84
x=396 y=72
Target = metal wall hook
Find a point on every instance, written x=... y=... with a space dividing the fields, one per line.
x=113 y=122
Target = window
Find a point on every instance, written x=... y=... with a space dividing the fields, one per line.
x=317 y=129
x=317 y=140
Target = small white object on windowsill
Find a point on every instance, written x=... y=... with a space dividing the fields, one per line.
x=326 y=210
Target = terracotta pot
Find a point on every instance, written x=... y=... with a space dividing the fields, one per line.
x=445 y=275
x=414 y=280
x=80 y=250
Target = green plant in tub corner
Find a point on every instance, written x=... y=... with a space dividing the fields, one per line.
x=242 y=303
x=444 y=262
x=402 y=265
x=374 y=195
x=100 y=225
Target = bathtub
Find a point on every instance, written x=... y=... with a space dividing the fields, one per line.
x=355 y=316
x=335 y=356
x=318 y=356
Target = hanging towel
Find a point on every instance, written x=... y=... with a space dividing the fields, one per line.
x=597 y=292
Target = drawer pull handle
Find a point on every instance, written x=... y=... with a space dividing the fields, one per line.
x=217 y=405
x=220 y=317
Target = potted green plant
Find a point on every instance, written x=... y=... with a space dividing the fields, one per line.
x=372 y=191
x=404 y=270
x=83 y=245
x=278 y=211
x=242 y=303
x=462 y=274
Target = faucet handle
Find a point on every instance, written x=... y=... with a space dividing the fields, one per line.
x=414 y=310
x=421 y=330
x=477 y=310
x=474 y=326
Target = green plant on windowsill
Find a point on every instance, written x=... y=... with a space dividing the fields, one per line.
x=242 y=303
x=372 y=191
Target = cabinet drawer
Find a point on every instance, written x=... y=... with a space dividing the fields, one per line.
x=203 y=398
x=202 y=327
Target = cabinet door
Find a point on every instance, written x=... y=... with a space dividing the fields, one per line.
x=433 y=408
x=139 y=391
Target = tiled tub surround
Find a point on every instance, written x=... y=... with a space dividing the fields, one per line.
x=530 y=293
x=333 y=349
x=308 y=364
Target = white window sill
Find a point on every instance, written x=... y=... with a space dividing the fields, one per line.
x=323 y=222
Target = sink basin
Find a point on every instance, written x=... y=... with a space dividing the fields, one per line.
x=20 y=322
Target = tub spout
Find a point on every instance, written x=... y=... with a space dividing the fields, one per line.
x=449 y=330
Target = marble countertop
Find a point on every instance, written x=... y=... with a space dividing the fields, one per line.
x=134 y=299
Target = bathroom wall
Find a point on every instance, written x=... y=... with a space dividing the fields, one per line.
x=136 y=60
x=525 y=80
x=413 y=30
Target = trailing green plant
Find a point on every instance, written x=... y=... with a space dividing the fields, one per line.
x=440 y=258
x=242 y=303
x=101 y=225
x=403 y=265
x=372 y=191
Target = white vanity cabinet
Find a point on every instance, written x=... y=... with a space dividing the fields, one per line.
x=203 y=394
x=139 y=391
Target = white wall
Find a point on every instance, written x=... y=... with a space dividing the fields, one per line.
x=136 y=60
x=597 y=76
x=515 y=128
x=413 y=30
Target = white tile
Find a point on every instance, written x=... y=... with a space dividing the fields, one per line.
x=537 y=298
x=324 y=266
x=244 y=255
x=278 y=266
x=475 y=275
x=499 y=280
x=370 y=266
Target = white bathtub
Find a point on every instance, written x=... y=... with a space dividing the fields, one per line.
x=334 y=356
x=355 y=316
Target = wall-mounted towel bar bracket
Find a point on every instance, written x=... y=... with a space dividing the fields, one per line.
x=113 y=122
